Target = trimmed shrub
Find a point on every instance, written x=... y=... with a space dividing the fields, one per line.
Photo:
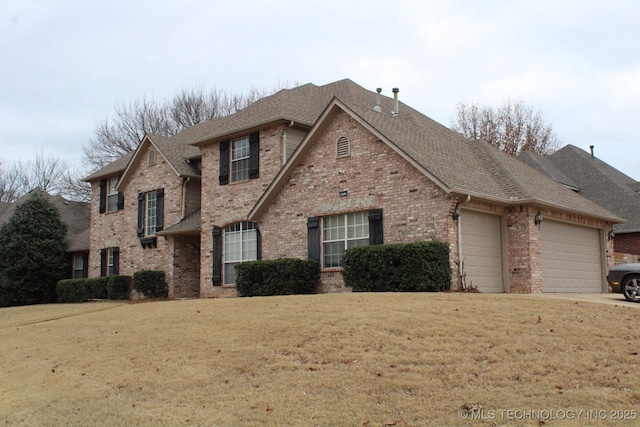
x=400 y=267
x=80 y=290
x=96 y=287
x=284 y=276
x=151 y=283
x=118 y=287
x=70 y=290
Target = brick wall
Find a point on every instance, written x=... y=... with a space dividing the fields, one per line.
x=118 y=229
x=374 y=176
x=627 y=243
x=524 y=250
x=222 y=205
x=186 y=266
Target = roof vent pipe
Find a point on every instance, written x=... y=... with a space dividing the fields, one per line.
x=395 y=91
x=591 y=147
x=377 y=107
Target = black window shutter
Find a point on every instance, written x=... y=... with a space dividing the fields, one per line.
x=103 y=196
x=103 y=262
x=224 y=163
x=313 y=238
x=140 y=229
x=217 y=256
x=258 y=243
x=85 y=265
x=254 y=155
x=376 y=235
x=116 y=260
x=159 y=209
x=120 y=200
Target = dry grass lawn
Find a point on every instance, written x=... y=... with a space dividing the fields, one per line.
x=321 y=360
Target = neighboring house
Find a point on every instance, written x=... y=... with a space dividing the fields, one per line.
x=601 y=183
x=309 y=171
x=76 y=216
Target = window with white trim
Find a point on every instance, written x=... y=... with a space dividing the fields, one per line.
x=240 y=244
x=78 y=266
x=151 y=213
x=340 y=232
x=240 y=159
x=110 y=262
x=112 y=195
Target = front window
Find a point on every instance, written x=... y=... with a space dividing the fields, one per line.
x=240 y=244
x=112 y=195
x=240 y=159
x=152 y=213
x=78 y=266
x=110 y=262
x=340 y=232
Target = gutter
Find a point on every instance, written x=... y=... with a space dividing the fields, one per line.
x=531 y=201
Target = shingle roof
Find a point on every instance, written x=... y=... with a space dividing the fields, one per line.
x=3 y=207
x=546 y=166
x=602 y=183
x=473 y=167
x=111 y=169
x=453 y=162
x=189 y=224
x=176 y=154
x=80 y=242
x=302 y=104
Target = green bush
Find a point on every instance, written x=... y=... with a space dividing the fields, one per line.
x=33 y=254
x=400 y=267
x=151 y=283
x=284 y=276
x=80 y=290
x=118 y=287
x=70 y=290
x=96 y=287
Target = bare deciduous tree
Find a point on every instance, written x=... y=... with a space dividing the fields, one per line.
x=117 y=136
x=73 y=188
x=10 y=182
x=513 y=128
x=47 y=172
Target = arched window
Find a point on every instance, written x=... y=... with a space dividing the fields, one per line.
x=241 y=243
x=343 y=147
x=152 y=157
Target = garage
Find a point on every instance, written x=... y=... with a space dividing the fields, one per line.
x=571 y=258
x=482 y=250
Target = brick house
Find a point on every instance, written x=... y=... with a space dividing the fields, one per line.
x=600 y=182
x=309 y=171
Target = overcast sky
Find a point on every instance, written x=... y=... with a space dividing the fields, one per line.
x=64 y=64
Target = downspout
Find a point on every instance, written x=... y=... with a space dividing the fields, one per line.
x=460 y=272
x=184 y=197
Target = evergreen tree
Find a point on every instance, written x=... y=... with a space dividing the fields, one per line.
x=32 y=253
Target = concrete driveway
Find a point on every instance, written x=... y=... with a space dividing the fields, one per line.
x=609 y=298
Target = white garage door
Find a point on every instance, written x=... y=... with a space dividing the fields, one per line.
x=571 y=258
x=482 y=250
